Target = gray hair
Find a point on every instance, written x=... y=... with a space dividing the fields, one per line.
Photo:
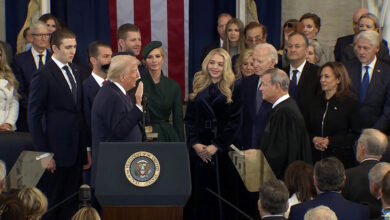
x=279 y=76
x=273 y=196
x=377 y=172
x=37 y=25
x=120 y=64
x=374 y=141
x=3 y=171
x=272 y=53
x=320 y=213
x=372 y=36
x=317 y=49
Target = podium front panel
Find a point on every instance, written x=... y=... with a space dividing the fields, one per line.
x=172 y=187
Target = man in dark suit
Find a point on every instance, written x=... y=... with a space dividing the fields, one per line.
x=370 y=80
x=303 y=75
x=26 y=64
x=114 y=117
x=343 y=42
x=254 y=109
x=371 y=146
x=285 y=138
x=56 y=123
x=385 y=196
x=329 y=178
x=223 y=19
x=273 y=199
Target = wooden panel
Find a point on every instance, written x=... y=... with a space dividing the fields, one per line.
x=143 y=213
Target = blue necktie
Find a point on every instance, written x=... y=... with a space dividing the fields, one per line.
x=293 y=88
x=40 y=62
x=72 y=83
x=364 y=84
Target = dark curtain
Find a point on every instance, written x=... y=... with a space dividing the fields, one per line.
x=89 y=19
x=203 y=16
x=15 y=15
x=269 y=13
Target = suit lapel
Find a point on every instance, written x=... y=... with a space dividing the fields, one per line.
x=375 y=79
x=57 y=74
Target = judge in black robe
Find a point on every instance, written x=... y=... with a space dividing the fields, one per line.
x=285 y=138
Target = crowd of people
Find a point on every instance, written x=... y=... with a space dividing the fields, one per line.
x=303 y=104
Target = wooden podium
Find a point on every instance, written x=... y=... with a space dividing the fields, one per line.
x=118 y=180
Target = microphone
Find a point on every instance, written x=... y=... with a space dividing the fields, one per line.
x=84 y=196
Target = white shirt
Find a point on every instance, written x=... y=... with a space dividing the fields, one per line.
x=281 y=99
x=220 y=42
x=370 y=69
x=300 y=69
x=124 y=93
x=36 y=56
x=98 y=79
x=61 y=65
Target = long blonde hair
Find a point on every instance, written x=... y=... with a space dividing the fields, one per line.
x=202 y=78
x=7 y=74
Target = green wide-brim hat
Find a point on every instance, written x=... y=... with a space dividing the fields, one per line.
x=149 y=47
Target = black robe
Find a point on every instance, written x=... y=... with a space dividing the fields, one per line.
x=285 y=138
x=210 y=120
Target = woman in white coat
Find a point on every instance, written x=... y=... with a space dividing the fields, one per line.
x=9 y=104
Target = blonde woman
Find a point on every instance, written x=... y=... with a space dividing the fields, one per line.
x=212 y=118
x=244 y=64
x=34 y=201
x=86 y=213
x=9 y=104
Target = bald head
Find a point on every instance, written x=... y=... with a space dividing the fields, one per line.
x=356 y=17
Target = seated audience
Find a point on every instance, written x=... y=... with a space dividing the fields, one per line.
x=8 y=95
x=11 y=208
x=375 y=177
x=273 y=200
x=244 y=64
x=314 y=54
x=320 y=213
x=34 y=201
x=233 y=41
x=299 y=182
x=329 y=178
x=86 y=213
x=333 y=116
x=370 y=148
x=311 y=27
x=163 y=95
x=367 y=22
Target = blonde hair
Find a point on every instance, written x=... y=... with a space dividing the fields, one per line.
x=243 y=56
x=241 y=39
x=119 y=66
x=202 y=78
x=34 y=201
x=86 y=213
x=7 y=74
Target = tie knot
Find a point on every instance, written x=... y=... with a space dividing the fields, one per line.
x=295 y=72
x=65 y=68
x=40 y=55
x=367 y=67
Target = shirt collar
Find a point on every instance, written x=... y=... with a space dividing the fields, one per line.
x=300 y=67
x=98 y=79
x=120 y=87
x=59 y=63
x=281 y=99
x=35 y=53
x=371 y=65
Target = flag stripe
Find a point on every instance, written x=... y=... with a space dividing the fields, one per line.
x=113 y=24
x=142 y=19
x=158 y=14
x=176 y=57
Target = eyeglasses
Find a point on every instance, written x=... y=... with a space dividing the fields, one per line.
x=255 y=39
x=41 y=35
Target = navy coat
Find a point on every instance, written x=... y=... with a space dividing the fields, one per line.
x=90 y=89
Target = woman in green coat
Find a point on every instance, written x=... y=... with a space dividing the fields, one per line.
x=163 y=97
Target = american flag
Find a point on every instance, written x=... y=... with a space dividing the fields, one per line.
x=162 y=20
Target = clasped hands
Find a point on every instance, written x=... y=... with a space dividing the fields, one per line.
x=205 y=152
x=321 y=143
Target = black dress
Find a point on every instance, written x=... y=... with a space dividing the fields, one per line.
x=210 y=120
x=337 y=119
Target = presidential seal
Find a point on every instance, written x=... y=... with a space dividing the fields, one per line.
x=142 y=169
